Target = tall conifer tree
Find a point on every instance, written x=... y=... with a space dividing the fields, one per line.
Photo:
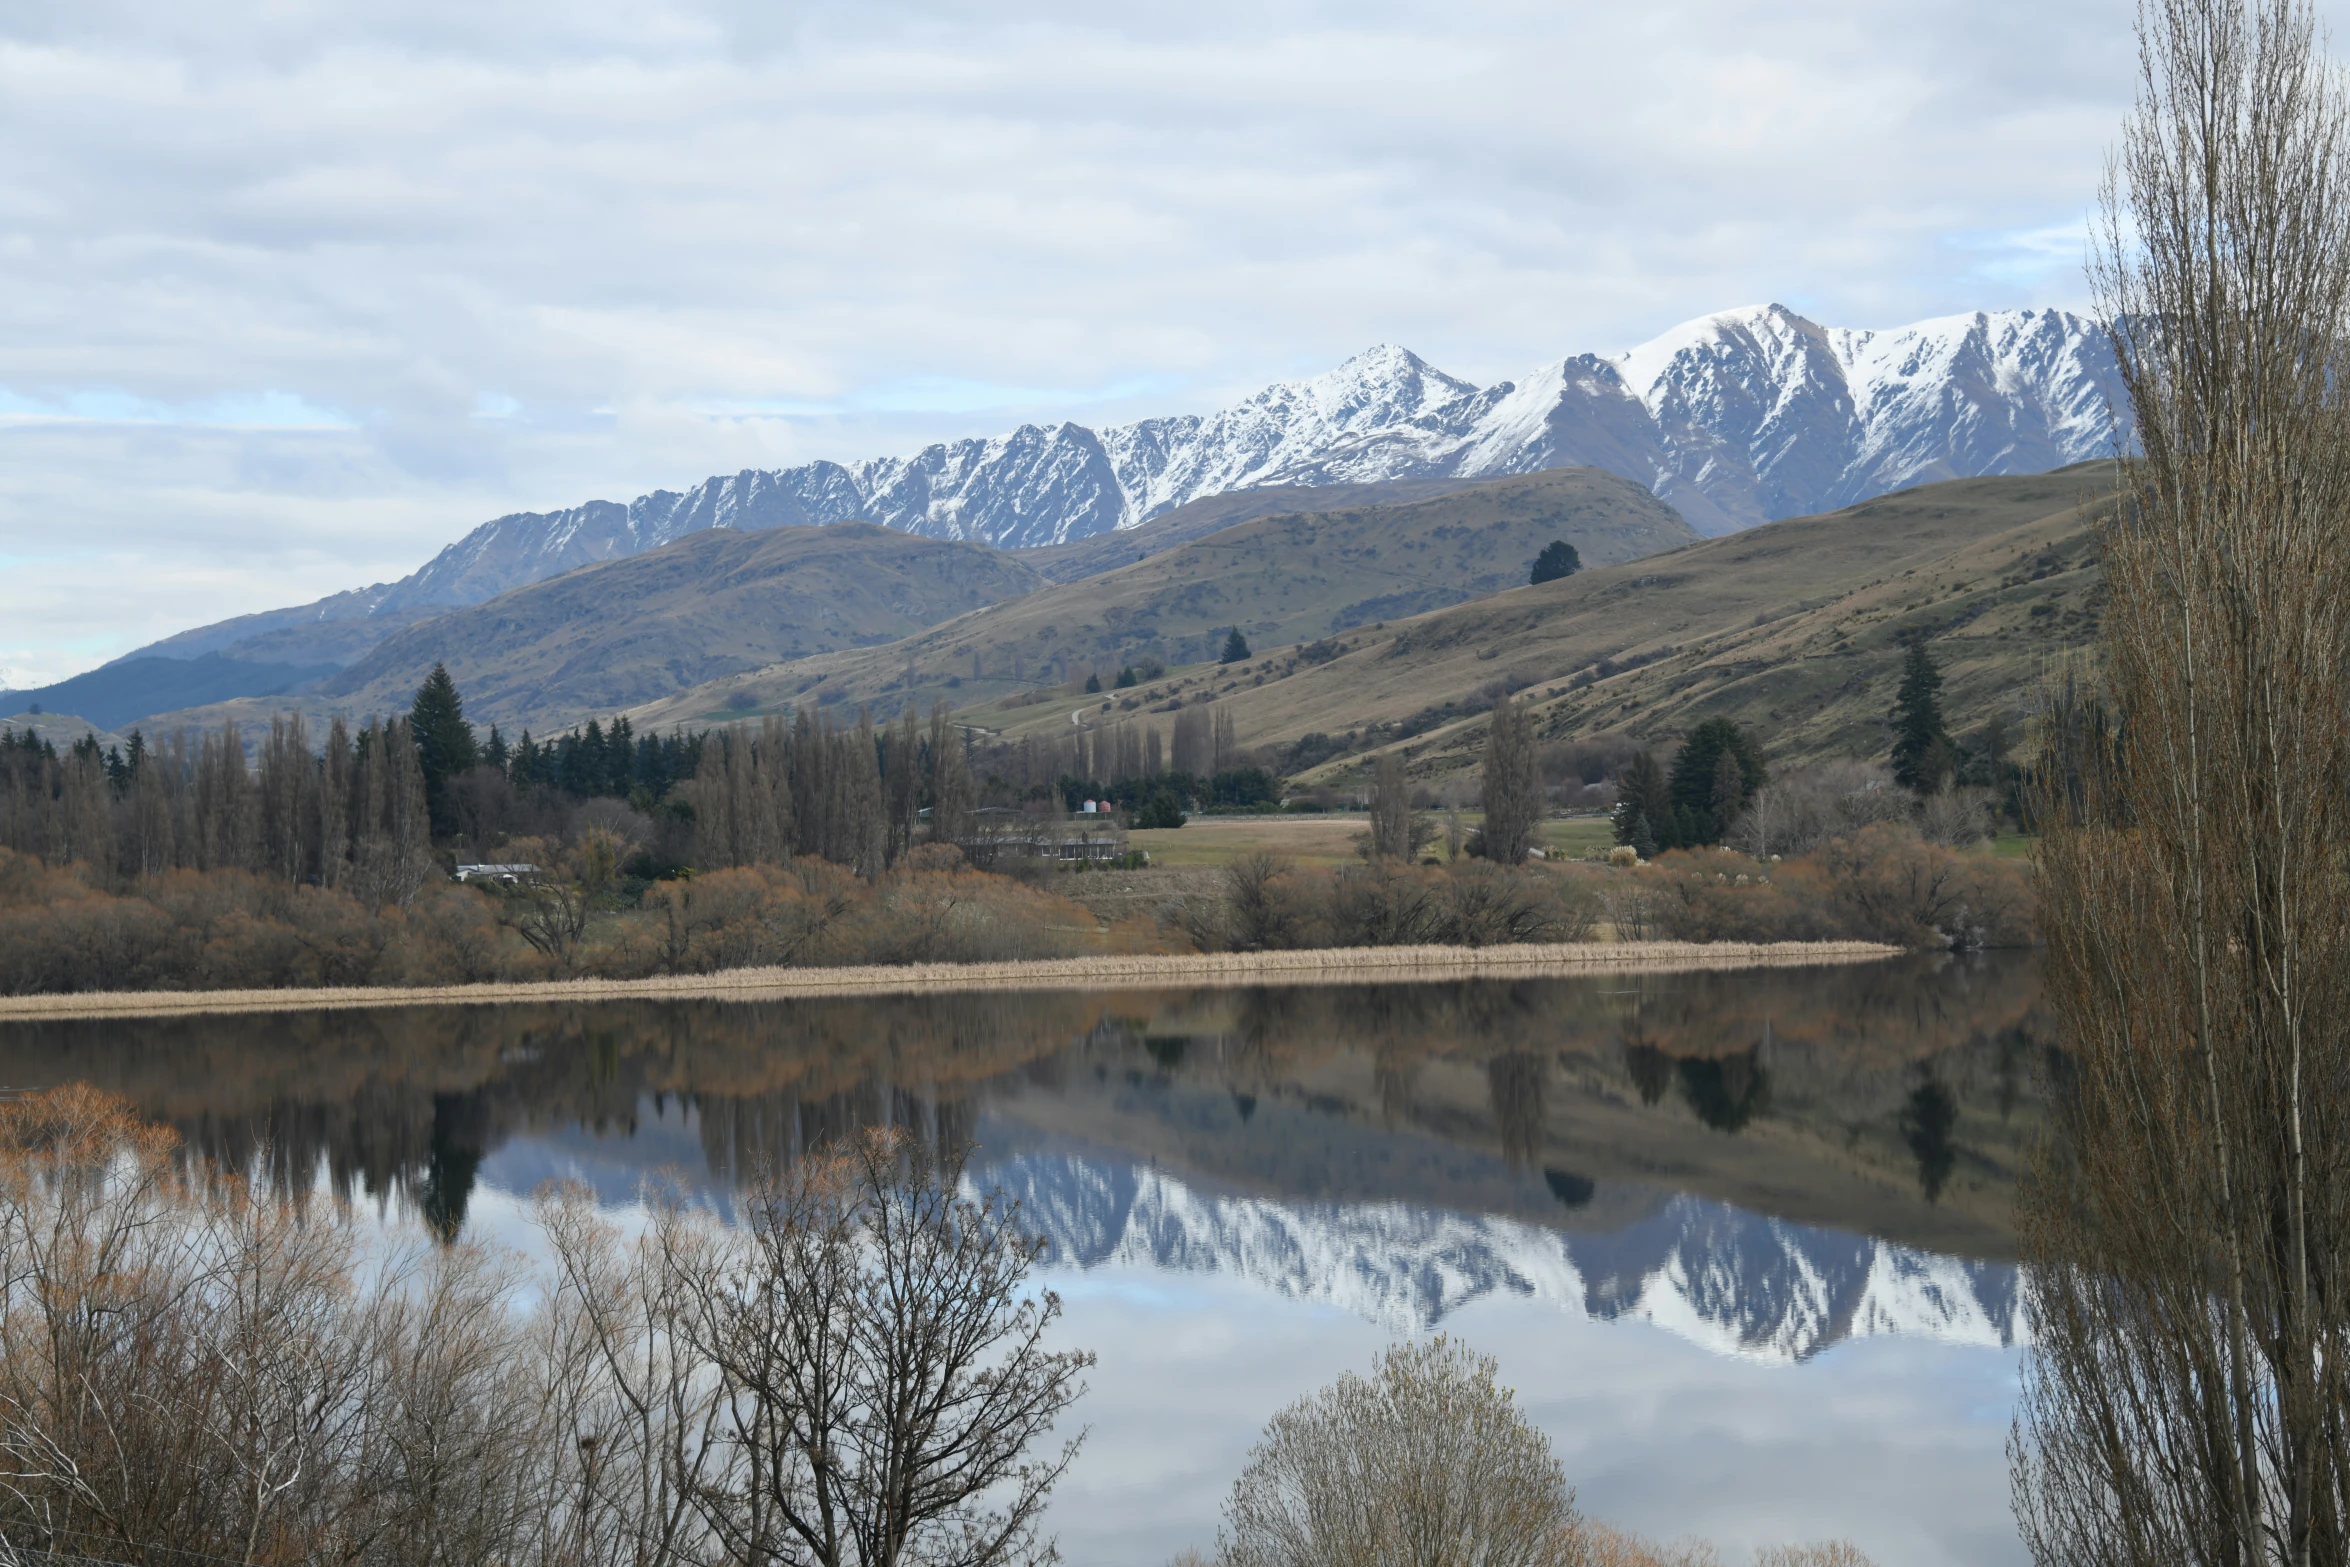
x=443 y=740
x=1921 y=747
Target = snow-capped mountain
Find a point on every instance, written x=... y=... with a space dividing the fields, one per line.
x=1733 y=1281
x=1734 y=419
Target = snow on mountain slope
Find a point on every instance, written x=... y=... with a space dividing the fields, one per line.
x=1733 y=1281
x=1734 y=419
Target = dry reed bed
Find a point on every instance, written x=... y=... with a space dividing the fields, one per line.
x=1324 y=966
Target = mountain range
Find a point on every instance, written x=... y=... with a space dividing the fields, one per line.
x=1733 y=419
x=1729 y=1279
x=1736 y=1282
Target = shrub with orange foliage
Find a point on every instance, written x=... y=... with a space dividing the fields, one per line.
x=223 y=929
x=220 y=928
x=1881 y=883
x=815 y=913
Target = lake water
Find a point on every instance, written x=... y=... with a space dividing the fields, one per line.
x=1741 y=1241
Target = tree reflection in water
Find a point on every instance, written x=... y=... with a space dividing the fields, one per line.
x=1874 y=1081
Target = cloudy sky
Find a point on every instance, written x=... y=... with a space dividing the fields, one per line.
x=294 y=292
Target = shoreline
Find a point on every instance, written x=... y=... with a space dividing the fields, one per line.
x=1315 y=966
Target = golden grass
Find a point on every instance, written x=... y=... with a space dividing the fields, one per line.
x=1327 y=966
x=1305 y=837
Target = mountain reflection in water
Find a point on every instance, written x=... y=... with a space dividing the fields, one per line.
x=1768 y=1162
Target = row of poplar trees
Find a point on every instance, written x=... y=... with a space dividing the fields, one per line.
x=348 y=810
x=1510 y=781
x=859 y=796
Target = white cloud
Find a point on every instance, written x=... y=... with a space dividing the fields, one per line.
x=322 y=286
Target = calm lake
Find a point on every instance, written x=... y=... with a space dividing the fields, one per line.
x=1741 y=1241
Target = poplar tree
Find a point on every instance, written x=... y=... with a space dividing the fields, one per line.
x=1513 y=785
x=2186 y=1225
x=1397 y=831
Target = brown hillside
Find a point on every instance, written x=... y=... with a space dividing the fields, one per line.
x=1282 y=579
x=1792 y=627
x=1090 y=557
x=610 y=636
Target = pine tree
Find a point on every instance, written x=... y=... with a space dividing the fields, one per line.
x=444 y=743
x=1558 y=559
x=1698 y=799
x=1235 y=648
x=1922 y=751
x=1642 y=801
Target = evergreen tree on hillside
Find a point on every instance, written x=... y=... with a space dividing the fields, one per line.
x=444 y=743
x=1922 y=752
x=1706 y=797
x=1558 y=559
x=1235 y=648
x=1642 y=802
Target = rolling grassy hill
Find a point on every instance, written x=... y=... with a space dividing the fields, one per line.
x=1286 y=578
x=1793 y=628
x=1090 y=557
x=628 y=631
x=119 y=692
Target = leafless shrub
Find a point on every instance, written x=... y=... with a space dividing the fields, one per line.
x=1630 y=906
x=1827 y=1553
x=1882 y=883
x=1957 y=818
x=1262 y=908
x=1797 y=812
x=190 y=1371
x=627 y=827
x=1428 y=1459
x=1484 y=905
x=1605 y=1547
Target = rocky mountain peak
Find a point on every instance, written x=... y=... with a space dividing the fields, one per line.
x=1734 y=418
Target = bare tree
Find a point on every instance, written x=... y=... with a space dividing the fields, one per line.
x=1261 y=910
x=1512 y=785
x=2189 y=1234
x=637 y=1413
x=1397 y=831
x=1426 y=1460
x=191 y=1371
x=881 y=1362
